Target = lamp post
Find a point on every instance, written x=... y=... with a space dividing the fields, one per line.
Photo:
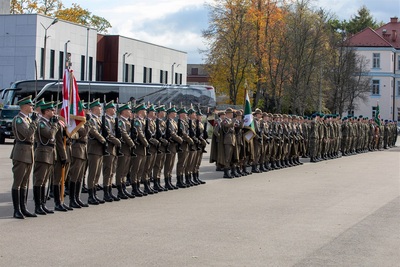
x=124 y=56
x=45 y=45
x=172 y=73
x=65 y=54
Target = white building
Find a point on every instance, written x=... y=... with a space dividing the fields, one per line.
x=22 y=44
x=93 y=56
x=381 y=48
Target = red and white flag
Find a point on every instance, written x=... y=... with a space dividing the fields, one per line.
x=72 y=109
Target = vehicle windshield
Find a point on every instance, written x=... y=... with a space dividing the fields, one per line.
x=8 y=114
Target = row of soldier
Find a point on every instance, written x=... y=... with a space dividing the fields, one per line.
x=279 y=141
x=140 y=143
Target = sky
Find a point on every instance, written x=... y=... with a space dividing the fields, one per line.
x=178 y=24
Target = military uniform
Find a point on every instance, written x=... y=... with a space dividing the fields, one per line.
x=228 y=139
x=96 y=149
x=183 y=132
x=45 y=156
x=163 y=148
x=22 y=158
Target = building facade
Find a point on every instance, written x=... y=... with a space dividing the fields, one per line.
x=29 y=40
x=381 y=48
x=197 y=74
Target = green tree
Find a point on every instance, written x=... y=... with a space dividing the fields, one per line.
x=360 y=21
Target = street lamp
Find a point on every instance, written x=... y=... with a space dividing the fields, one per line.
x=66 y=55
x=45 y=45
x=172 y=72
x=125 y=55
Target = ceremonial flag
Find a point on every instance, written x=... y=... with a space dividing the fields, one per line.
x=248 y=120
x=377 y=115
x=72 y=109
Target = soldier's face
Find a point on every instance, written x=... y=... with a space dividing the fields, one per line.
x=111 y=111
x=96 y=110
x=161 y=114
x=27 y=108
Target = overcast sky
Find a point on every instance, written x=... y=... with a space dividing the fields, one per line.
x=178 y=23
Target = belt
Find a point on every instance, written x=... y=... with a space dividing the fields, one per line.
x=80 y=142
x=49 y=145
x=24 y=142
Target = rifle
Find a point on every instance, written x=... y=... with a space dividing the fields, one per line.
x=198 y=135
x=104 y=131
x=148 y=136
x=194 y=138
x=160 y=135
x=168 y=136
x=118 y=134
x=205 y=132
x=133 y=135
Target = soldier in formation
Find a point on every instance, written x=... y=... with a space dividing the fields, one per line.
x=279 y=141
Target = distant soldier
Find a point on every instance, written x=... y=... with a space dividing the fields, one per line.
x=186 y=146
x=228 y=154
x=24 y=129
x=161 y=128
x=215 y=139
x=45 y=156
x=171 y=133
x=202 y=136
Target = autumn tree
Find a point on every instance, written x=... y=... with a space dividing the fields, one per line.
x=230 y=42
x=55 y=8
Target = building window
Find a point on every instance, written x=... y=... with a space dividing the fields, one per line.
x=132 y=76
x=178 y=78
x=163 y=76
x=90 y=68
x=52 y=59
x=147 y=73
x=82 y=68
x=126 y=73
x=375 y=87
x=195 y=71
x=398 y=88
x=61 y=65
x=373 y=112
x=376 y=60
x=41 y=61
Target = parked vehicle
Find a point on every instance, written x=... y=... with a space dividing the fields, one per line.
x=7 y=113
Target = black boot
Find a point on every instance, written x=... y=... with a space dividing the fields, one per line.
x=114 y=197
x=170 y=182
x=57 y=199
x=121 y=193
x=262 y=168
x=167 y=185
x=278 y=165
x=126 y=191
x=140 y=190
x=38 y=205
x=255 y=169
x=107 y=197
x=244 y=171
x=233 y=172
x=135 y=190
x=227 y=174
x=95 y=196
x=239 y=171
x=92 y=200
x=16 y=203
x=147 y=188
x=77 y=195
x=72 y=196
x=157 y=186
x=179 y=181
x=43 y=200
x=22 y=202
x=198 y=178
x=188 y=181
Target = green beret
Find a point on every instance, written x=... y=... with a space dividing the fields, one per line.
x=170 y=110
x=39 y=103
x=26 y=100
x=48 y=105
x=161 y=108
x=123 y=107
x=110 y=105
x=140 y=107
x=151 y=108
x=182 y=111
x=95 y=103
x=191 y=111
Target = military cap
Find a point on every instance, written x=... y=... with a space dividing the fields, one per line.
x=229 y=110
x=172 y=109
x=238 y=113
x=199 y=113
x=110 y=104
x=95 y=103
x=140 y=107
x=269 y=115
x=257 y=111
x=39 y=103
x=284 y=116
x=25 y=100
x=264 y=114
x=48 y=105
x=151 y=108
x=191 y=111
x=160 y=108
x=182 y=111
x=344 y=118
x=123 y=107
x=221 y=113
x=83 y=105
